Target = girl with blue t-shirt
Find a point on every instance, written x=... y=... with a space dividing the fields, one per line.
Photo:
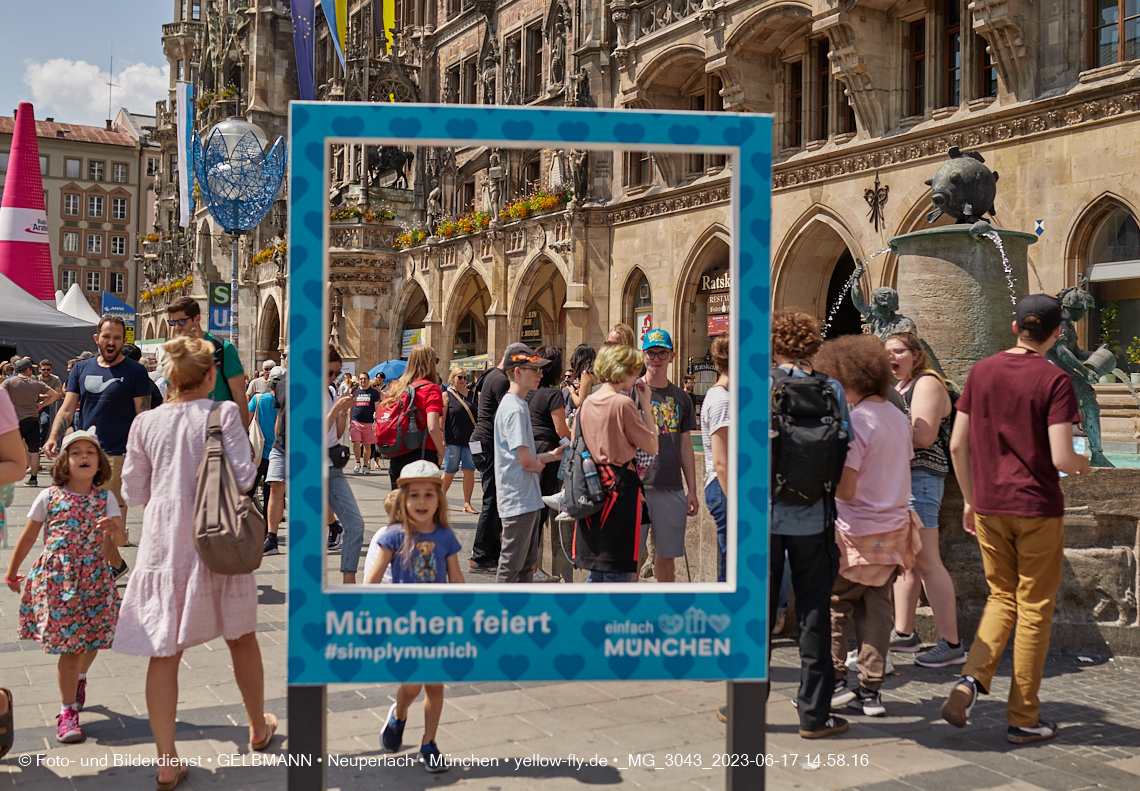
x=420 y=548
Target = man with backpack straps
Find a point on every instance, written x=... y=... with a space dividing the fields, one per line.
x=809 y=445
x=490 y=390
x=185 y=318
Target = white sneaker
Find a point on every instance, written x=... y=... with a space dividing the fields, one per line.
x=853 y=659
x=564 y=517
x=356 y=469
x=554 y=501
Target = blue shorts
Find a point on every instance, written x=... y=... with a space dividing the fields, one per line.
x=457 y=455
x=926 y=496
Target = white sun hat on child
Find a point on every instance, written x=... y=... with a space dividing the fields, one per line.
x=420 y=470
x=76 y=436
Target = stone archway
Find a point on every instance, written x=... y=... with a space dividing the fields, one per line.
x=269 y=332
x=465 y=318
x=538 y=315
x=706 y=272
x=411 y=315
x=805 y=262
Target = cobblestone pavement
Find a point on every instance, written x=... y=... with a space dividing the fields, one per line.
x=911 y=748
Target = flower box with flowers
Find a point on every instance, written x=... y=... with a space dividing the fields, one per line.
x=355 y=214
x=538 y=202
x=410 y=237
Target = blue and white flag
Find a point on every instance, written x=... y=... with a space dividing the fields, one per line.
x=184 y=106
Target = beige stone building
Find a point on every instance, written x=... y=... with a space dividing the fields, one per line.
x=866 y=101
x=95 y=193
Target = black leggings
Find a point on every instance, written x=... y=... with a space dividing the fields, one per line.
x=397 y=464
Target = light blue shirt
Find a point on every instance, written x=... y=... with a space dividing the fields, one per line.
x=266 y=407
x=517 y=490
x=806 y=520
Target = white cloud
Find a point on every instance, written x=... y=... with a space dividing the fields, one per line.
x=76 y=91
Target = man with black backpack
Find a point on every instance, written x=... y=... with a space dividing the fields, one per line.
x=184 y=316
x=809 y=445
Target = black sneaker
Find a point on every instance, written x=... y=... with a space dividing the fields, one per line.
x=120 y=571
x=481 y=568
x=832 y=726
x=432 y=760
x=868 y=702
x=270 y=545
x=392 y=737
x=336 y=536
x=1044 y=730
x=907 y=645
x=956 y=710
x=842 y=694
x=32 y=482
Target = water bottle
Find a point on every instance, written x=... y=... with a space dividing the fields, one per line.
x=590 y=471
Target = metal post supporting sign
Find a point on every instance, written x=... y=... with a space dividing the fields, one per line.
x=526 y=632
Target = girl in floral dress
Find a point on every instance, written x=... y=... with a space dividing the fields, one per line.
x=69 y=602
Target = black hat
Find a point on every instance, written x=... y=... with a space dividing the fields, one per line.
x=1043 y=306
x=23 y=365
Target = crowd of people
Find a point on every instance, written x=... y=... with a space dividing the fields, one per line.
x=858 y=530
x=864 y=436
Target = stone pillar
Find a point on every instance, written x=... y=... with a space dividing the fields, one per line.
x=497 y=328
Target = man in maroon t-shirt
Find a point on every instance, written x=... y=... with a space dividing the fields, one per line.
x=1013 y=433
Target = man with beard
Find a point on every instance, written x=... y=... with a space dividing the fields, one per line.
x=109 y=391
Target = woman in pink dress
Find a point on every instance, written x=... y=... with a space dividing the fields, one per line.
x=173 y=601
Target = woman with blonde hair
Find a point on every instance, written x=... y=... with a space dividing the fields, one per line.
x=420 y=375
x=459 y=416
x=927 y=398
x=607 y=543
x=173 y=600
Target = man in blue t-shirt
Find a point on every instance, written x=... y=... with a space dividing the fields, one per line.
x=185 y=318
x=109 y=391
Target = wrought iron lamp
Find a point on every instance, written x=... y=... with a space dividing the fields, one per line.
x=239 y=182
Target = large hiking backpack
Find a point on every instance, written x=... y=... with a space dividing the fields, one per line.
x=809 y=439
x=398 y=429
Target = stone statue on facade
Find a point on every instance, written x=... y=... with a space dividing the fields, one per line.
x=1084 y=367
x=580 y=174
x=881 y=317
x=511 y=74
x=558 y=54
x=434 y=209
x=580 y=89
x=488 y=78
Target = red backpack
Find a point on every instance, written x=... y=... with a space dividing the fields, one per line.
x=398 y=429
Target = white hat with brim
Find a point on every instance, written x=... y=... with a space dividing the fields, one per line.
x=76 y=436
x=420 y=470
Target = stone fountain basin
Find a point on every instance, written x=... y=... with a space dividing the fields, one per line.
x=952 y=283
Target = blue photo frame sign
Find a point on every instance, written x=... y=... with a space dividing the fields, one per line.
x=533 y=632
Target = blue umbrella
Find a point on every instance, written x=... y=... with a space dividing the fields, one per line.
x=392 y=370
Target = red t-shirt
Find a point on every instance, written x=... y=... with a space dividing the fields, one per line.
x=429 y=398
x=1012 y=399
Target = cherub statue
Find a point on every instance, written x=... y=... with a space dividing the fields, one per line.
x=882 y=314
x=1074 y=360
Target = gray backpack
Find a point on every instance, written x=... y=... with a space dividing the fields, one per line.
x=579 y=502
x=229 y=533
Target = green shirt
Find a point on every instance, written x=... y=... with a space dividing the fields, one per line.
x=231 y=367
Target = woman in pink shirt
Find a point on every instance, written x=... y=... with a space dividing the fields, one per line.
x=873 y=527
x=13 y=463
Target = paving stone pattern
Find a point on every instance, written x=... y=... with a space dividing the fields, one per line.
x=911 y=748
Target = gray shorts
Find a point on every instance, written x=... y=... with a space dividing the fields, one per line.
x=276 y=471
x=668 y=515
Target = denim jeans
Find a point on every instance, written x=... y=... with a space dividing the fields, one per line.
x=343 y=504
x=718 y=507
x=610 y=576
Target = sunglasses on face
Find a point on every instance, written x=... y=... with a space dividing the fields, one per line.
x=177 y=322
x=333 y=373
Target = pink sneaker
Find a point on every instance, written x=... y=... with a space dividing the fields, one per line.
x=67 y=729
x=81 y=694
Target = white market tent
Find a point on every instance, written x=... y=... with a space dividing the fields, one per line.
x=76 y=305
x=32 y=328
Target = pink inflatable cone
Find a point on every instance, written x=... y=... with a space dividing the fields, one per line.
x=25 y=254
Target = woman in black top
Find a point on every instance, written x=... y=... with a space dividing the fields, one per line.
x=548 y=420
x=459 y=416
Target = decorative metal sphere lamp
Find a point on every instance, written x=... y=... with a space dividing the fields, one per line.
x=239 y=182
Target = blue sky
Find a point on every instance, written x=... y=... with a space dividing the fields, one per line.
x=57 y=55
